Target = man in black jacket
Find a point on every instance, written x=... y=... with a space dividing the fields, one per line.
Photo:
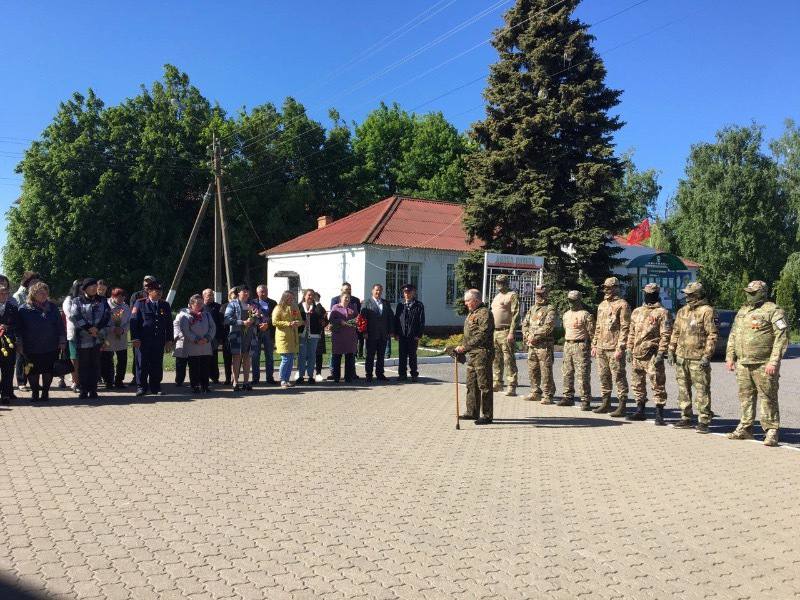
x=380 y=325
x=214 y=309
x=266 y=338
x=409 y=324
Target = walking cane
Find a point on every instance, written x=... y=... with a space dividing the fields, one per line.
x=455 y=363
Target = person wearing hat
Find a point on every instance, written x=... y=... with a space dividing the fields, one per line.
x=648 y=342
x=89 y=314
x=151 y=335
x=477 y=345
x=578 y=331
x=608 y=346
x=537 y=333
x=758 y=340
x=691 y=347
x=409 y=324
x=505 y=311
x=136 y=296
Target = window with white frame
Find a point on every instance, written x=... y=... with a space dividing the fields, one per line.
x=452 y=294
x=397 y=275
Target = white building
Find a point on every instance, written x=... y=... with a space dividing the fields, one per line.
x=396 y=241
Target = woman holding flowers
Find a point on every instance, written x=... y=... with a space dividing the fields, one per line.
x=197 y=331
x=344 y=338
x=286 y=320
x=115 y=342
x=241 y=316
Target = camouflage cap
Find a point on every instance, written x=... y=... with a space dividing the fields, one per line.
x=542 y=289
x=695 y=287
x=611 y=282
x=756 y=286
x=651 y=288
x=502 y=278
x=574 y=295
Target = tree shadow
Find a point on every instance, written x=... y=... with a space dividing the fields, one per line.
x=14 y=591
x=788 y=435
x=559 y=422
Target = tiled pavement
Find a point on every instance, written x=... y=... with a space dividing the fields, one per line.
x=346 y=493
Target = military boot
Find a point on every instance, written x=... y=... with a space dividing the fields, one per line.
x=639 y=414
x=604 y=407
x=566 y=402
x=742 y=433
x=772 y=438
x=547 y=400
x=660 y=415
x=532 y=398
x=620 y=412
x=586 y=405
x=701 y=428
x=511 y=391
x=684 y=424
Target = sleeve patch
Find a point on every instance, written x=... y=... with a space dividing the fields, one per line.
x=780 y=324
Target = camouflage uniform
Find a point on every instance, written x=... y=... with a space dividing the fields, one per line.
x=648 y=341
x=694 y=337
x=478 y=346
x=537 y=332
x=578 y=331
x=610 y=337
x=505 y=310
x=759 y=338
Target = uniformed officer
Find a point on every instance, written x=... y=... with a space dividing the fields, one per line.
x=691 y=348
x=151 y=335
x=608 y=346
x=648 y=342
x=478 y=345
x=537 y=331
x=505 y=311
x=578 y=331
x=759 y=338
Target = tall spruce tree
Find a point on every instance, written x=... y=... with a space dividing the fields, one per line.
x=543 y=179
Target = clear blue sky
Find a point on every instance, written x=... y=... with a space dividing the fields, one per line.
x=711 y=63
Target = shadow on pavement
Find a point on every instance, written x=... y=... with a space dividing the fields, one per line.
x=11 y=591
x=788 y=435
x=560 y=422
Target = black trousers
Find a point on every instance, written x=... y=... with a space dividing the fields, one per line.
x=107 y=369
x=227 y=359
x=375 y=350
x=180 y=369
x=213 y=363
x=349 y=367
x=7 y=365
x=198 y=371
x=408 y=355
x=89 y=361
x=360 y=345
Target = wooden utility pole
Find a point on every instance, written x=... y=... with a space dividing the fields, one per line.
x=223 y=227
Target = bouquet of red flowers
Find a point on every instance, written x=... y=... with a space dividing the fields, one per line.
x=361 y=323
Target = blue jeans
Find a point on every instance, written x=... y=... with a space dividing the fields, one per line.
x=308 y=356
x=264 y=342
x=286 y=366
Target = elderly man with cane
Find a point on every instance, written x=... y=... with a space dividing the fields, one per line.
x=478 y=346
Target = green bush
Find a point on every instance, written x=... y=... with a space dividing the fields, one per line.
x=787 y=291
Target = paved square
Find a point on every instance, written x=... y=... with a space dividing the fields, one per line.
x=344 y=493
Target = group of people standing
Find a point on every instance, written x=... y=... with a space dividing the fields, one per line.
x=645 y=339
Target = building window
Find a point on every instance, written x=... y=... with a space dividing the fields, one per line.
x=397 y=275
x=452 y=286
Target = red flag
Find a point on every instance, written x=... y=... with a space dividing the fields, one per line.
x=639 y=233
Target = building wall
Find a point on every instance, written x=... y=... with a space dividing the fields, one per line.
x=433 y=279
x=322 y=270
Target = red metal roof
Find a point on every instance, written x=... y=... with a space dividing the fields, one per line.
x=394 y=221
x=622 y=241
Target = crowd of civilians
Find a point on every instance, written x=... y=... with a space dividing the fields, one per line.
x=90 y=333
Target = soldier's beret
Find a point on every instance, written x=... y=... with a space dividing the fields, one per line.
x=574 y=295
x=756 y=286
x=651 y=288
x=542 y=289
x=611 y=282
x=695 y=287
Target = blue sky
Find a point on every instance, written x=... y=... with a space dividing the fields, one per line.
x=687 y=67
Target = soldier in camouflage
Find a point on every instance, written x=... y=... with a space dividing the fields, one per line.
x=608 y=346
x=648 y=341
x=578 y=331
x=478 y=345
x=691 y=347
x=537 y=332
x=505 y=311
x=759 y=338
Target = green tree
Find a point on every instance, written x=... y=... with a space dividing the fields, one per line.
x=636 y=191
x=787 y=290
x=730 y=213
x=786 y=150
x=543 y=180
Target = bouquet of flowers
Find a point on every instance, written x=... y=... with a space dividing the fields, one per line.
x=116 y=323
x=361 y=323
x=252 y=312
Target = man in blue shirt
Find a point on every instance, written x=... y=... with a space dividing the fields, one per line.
x=151 y=336
x=265 y=339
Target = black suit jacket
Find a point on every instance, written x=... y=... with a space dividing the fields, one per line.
x=379 y=324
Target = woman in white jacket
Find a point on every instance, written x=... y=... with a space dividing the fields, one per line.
x=194 y=335
x=66 y=307
x=115 y=340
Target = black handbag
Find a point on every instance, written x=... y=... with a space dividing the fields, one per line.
x=63 y=366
